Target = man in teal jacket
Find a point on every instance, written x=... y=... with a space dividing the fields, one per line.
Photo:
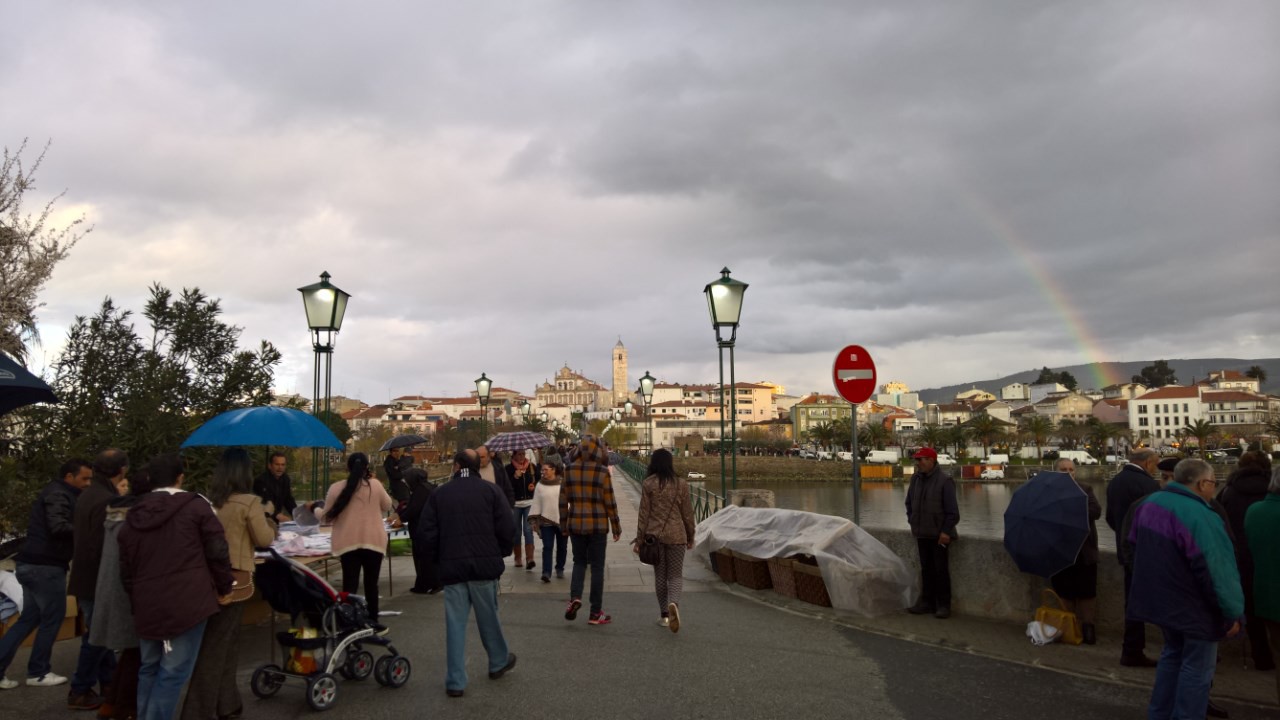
x=1184 y=580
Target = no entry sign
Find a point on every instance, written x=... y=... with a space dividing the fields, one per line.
x=854 y=374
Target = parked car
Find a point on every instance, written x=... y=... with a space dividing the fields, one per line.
x=808 y=454
x=844 y=455
x=1080 y=457
x=945 y=459
x=882 y=457
x=1113 y=459
x=993 y=474
x=825 y=455
x=697 y=476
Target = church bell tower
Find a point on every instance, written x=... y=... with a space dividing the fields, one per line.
x=620 y=390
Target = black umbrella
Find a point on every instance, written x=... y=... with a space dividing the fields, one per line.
x=401 y=441
x=19 y=387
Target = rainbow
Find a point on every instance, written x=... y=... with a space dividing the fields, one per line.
x=1054 y=293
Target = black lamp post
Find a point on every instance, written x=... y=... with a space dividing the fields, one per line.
x=483 y=386
x=724 y=301
x=647 y=382
x=326 y=305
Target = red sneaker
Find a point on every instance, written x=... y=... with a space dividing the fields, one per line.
x=571 y=612
x=599 y=618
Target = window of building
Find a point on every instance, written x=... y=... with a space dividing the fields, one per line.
x=1184 y=408
x=1142 y=422
x=1142 y=409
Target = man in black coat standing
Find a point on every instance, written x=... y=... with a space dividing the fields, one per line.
x=1135 y=481
x=932 y=513
x=275 y=486
x=467 y=529
x=42 y=573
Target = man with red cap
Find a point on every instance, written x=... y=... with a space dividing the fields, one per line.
x=932 y=513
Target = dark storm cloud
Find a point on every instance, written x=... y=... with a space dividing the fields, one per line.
x=513 y=189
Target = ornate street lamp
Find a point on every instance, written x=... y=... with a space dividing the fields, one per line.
x=724 y=301
x=628 y=406
x=483 y=386
x=647 y=382
x=326 y=305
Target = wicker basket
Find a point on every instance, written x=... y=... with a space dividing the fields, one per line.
x=782 y=576
x=751 y=572
x=810 y=587
x=722 y=563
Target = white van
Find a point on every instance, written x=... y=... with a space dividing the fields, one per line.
x=997 y=459
x=882 y=457
x=1080 y=457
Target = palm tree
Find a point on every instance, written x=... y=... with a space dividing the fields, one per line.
x=986 y=429
x=1040 y=428
x=958 y=435
x=1202 y=431
x=932 y=435
x=873 y=434
x=824 y=434
x=1257 y=372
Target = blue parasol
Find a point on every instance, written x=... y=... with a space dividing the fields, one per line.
x=271 y=425
x=19 y=387
x=1046 y=524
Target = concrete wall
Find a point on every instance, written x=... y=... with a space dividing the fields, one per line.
x=985 y=582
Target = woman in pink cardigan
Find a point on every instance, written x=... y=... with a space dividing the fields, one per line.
x=355 y=507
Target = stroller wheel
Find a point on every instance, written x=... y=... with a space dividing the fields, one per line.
x=398 y=671
x=359 y=666
x=380 y=669
x=266 y=681
x=322 y=691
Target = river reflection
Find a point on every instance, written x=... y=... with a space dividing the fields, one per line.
x=982 y=505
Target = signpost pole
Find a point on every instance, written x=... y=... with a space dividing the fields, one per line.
x=857 y=471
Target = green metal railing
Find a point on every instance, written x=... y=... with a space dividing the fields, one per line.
x=705 y=502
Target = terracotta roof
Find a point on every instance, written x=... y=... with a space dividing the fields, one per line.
x=376 y=411
x=350 y=414
x=817 y=399
x=1169 y=392
x=456 y=401
x=1024 y=410
x=472 y=413
x=1233 y=396
x=954 y=407
x=412 y=397
x=1229 y=375
x=750 y=386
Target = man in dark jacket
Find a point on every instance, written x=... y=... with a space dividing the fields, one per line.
x=96 y=664
x=395 y=466
x=42 y=573
x=176 y=569
x=1135 y=481
x=496 y=473
x=467 y=529
x=275 y=486
x=932 y=513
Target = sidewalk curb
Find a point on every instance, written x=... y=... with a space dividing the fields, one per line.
x=798 y=608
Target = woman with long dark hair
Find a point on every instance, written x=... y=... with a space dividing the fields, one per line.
x=666 y=512
x=356 y=508
x=213 y=692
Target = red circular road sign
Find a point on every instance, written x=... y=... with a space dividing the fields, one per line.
x=854 y=374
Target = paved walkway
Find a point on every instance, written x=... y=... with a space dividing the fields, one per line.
x=741 y=654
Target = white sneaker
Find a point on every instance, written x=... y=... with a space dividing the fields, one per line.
x=46 y=680
x=7 y=684
x=664 y=622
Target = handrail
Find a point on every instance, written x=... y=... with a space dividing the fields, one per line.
x=705 y=503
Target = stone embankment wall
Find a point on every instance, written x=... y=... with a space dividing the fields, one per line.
x=985 y=582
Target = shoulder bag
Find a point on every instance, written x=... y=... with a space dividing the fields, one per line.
x=241 y=585
x=650 y=548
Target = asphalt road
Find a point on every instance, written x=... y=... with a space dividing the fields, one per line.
x=733 y=658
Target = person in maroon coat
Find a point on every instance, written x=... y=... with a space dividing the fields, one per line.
x=177 y=570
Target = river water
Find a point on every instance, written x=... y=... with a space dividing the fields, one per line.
x=982 y=505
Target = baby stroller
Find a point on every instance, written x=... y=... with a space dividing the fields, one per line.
x=342 y=629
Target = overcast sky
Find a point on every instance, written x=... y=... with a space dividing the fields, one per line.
x=968 y=189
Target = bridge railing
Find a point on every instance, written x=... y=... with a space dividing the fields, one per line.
x=705 y=503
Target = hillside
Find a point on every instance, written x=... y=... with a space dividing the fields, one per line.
x=1186 y=370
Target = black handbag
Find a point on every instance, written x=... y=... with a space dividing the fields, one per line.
x=650 y=550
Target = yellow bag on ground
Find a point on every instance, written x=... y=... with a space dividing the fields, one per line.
x=1059 y=617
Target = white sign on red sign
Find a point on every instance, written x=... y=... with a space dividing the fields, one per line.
x=854 y=374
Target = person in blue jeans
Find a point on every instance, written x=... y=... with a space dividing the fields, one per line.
x=42 y=572
x=467 y=529
x=545 y=515
x=176 y=568
x=1184 y=580
x=588 y=511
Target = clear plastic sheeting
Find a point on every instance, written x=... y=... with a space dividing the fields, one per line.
x=861 y=574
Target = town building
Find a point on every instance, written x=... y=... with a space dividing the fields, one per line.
x=1014 y=392
x=816 y=409
x=573 y=389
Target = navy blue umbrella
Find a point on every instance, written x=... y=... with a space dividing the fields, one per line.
x=1046 y=524
x=19 y=388
x=264 y=426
